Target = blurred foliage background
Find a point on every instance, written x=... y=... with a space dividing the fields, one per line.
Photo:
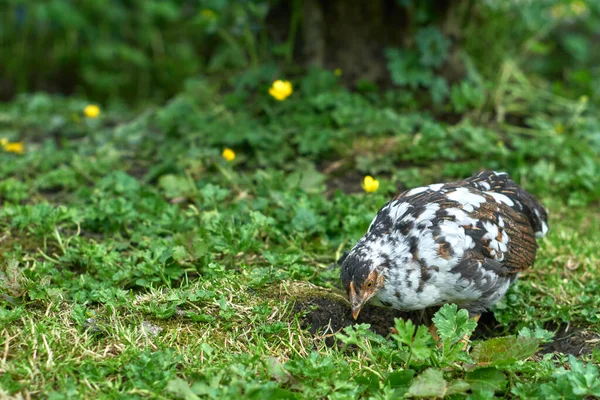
x=411 y=90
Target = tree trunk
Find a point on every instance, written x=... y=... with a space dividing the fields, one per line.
x=353 y=34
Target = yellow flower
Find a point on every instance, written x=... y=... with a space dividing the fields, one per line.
x=280 y=90
x=228 y=154
x=208 y=13
x=559 y=128
x=16 y=147
x=337 y=72
x=91 y=111
x=370 y=185
x=3 y=141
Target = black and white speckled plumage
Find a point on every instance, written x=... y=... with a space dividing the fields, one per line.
x=463 y=242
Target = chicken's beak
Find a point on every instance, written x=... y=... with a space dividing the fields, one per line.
x=356 y=302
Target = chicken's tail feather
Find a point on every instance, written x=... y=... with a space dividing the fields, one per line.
x=500 y=182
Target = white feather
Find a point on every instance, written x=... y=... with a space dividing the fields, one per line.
x=468 y=200
x=500 y=198
x=416 y=190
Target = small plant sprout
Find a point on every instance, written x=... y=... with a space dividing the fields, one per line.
x=281 y=90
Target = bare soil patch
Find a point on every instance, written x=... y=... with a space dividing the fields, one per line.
x=326 y=316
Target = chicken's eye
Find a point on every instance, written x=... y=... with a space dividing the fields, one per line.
x=369 y=284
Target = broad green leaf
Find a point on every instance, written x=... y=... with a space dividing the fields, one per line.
x=433 y=46
x=482 y=395
x=369 y=379
x=276 y=370
x=307 y=177
x=430 y=383
x=179 y=253
x=420 y=343
x=439 y=90
x=400 y=378
x=357 y=335
x=559 y=390
x=538 y=333
x=181 y=389
x=504 y=350
x=486 y=380
x=453 y=324
x=584 y=377
x=457 y=386
x=405 y=69
x=406 y=331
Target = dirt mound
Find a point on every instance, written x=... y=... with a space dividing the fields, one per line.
x=573 y=341
x=325 y=316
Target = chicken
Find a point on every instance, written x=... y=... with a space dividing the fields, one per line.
x=462 y=242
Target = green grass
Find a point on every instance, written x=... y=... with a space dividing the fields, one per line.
x=135 y=261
